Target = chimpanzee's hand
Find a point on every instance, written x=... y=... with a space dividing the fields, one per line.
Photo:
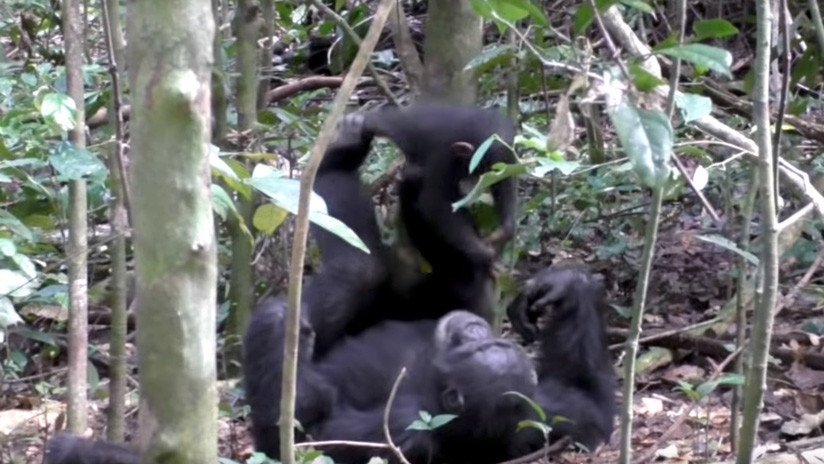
x=498 y=238
x=351 y=131
x=480 y=253
x=552 y=287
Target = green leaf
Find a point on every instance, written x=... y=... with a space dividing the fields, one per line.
x=442 y=419
x=72 y=163
x=7 y=247
x=639 y=5
x=644 y=80
x=646 y=136
x=10 y=222
x=582 y=19
x=418 y=424
x=217 y=163
x=491 y=57
x=692 y=106
x=59 y=109
x=713 y=29
x=285 y=193
x=706 y=56
x=728 y=244
x=532 y=404
x=15 y=284
x=536 y=14
x=499 y=172
x=480 y=152
x=268 y=218
x=25 y=264
x=547 y=165
x=221 y=202
x=706 y=388
x=533 y=424
x=8 y=316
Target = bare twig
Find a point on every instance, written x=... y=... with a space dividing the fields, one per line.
x=805 y=279
x=290 y=348
x=707 y=205
x=541 y=453
x=117 y=100
x=397 y=451
x=354 y=444
x=405 y=48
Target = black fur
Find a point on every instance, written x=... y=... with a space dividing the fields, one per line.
x=437 y=141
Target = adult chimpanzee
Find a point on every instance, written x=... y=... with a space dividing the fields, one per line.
x=455 y=366
x=438 y=141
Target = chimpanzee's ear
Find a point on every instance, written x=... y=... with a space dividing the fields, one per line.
x=462 y=149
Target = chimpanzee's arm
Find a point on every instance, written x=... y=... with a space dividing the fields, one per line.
x=455 y=228
x=576 y=378
x=68 y=449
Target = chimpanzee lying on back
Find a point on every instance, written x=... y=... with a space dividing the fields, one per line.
x=455 y=366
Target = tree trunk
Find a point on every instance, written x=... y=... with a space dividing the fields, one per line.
x=78 y=245
x=116 y=414
x=454 y=34
x=170 y=63
x=247 y=27
x=763 y=316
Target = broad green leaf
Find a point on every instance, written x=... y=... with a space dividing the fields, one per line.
x=59 y=109
x=709 y=386
x=8 y=316
x=15 y=284
x=7 y=247
x=285 y=193
x=644 y=80
x=499 y=172
x=225 y=208
x=533 y=424
x=491 y=57
x=584 y=15
x=221 y=202
x=706 y=56
x=713 y=29
x=72 y=163
x=219 y=165
x=536 y=14
x=10 y=222
x=728 y=244
x=25 y=264
x=425 y=416
x=418 y=424
x=639 y=5
x=268 y=218
x=646 y=136
x=547 y=165
x=532 y=404
x=692 y=106
x=441 y=419
x=582 y=19
x=480 y=152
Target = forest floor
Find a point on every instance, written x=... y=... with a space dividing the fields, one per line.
x=691 y=284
